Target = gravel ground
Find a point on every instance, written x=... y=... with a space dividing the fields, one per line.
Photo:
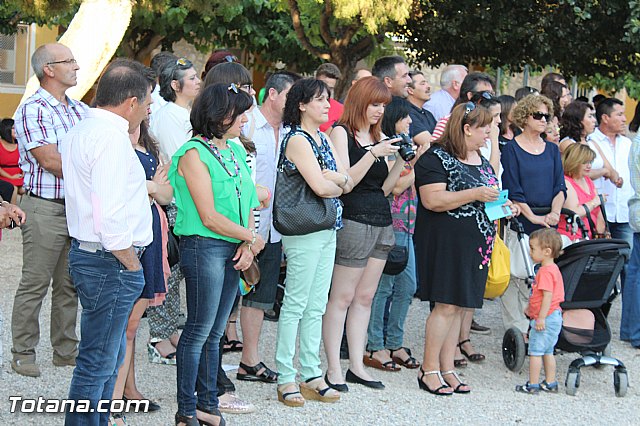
x=493 y=400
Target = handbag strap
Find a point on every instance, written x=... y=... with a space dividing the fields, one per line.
x=309 y=138
x=604 y=214
x=592 y=225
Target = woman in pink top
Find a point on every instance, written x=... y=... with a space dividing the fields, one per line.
x=582 y=197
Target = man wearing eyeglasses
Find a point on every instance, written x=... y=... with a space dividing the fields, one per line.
x=40 y=123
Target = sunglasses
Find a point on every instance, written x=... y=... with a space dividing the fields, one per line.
x=540 y=115
x=183 y=62
x=481 y=96
x=231 y=58
x=233 y=88
x=470 y=106
x=66 y=61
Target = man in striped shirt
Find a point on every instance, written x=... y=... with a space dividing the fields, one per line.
x=41 y=122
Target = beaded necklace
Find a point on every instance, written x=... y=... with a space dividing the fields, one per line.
x=216 y=153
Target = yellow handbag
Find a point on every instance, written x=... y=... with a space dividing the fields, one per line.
x=499 y=269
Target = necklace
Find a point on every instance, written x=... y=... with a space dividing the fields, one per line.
x=236 y=166
x=534 y=146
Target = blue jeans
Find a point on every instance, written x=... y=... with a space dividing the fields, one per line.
x=622 y=231
x=630 y=322
x=401 y=288
x=107 y=292
x=211 y=287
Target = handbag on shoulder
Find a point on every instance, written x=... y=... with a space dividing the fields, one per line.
x=297 y=210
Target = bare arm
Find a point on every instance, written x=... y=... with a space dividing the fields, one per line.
x=494 y=158
x=128 y=258
x=346 y=188
x=404 y=182
x=392 y=178
x=435 y=196
x=299 y=152
x=159 y=187
x=423 y=139
x=49 y=158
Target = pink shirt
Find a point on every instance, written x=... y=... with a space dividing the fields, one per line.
x=548 y=278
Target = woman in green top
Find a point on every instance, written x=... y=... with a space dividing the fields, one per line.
x=214 y=195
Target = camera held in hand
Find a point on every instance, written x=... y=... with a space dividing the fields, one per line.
x=405 y=146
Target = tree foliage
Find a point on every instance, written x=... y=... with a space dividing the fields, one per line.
x=582 y=38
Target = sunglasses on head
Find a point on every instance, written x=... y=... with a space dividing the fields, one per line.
x=231 y=58
x=183 y=62
x=233 y=88
x=540 y=115
x=470 y=106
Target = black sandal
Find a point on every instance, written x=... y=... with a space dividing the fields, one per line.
x=267 y=376
x=476 y=357
x=437 y=391
x=410 y=362
x=460 y=383
x=232 y=345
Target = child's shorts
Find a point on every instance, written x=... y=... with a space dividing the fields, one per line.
x=542 y=342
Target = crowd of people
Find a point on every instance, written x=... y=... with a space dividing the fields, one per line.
x=171 y=177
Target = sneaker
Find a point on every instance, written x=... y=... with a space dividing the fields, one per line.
x=230 y=403
x=528 y=388
x=479 y=329
x=549 y=387
x=58 y=361
x=25 y=368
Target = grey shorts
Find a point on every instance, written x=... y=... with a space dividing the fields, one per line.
x=357 y=242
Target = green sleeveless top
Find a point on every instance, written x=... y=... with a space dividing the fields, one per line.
x=225 y=197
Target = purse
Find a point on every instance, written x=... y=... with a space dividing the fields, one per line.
x=399 y=254
x=297 y=210
x=517 y=259
x=252 y=274
x=173 y=248
x=499 y=269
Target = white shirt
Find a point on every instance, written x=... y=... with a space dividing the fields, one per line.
x=171 y=127
x=158 y=102
x=440 y=104
x=618 y=155
x=105 y=184
x=267 y=154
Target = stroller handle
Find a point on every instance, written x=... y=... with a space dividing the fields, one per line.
x=571 y=217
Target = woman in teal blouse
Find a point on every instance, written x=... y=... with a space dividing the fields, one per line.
x=214 y=195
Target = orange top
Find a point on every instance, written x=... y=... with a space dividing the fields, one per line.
x=548 y=278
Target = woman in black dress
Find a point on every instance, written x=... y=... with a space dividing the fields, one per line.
x=454 y=238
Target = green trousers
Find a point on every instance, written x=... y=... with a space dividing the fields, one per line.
x=309 y=268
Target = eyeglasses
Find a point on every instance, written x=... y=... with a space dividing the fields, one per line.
x=233 y=87
x=66 y=61
x=183 y=62
x=231 y=58
x=540 y=115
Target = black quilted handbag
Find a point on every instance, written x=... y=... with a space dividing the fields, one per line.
x=297 y=210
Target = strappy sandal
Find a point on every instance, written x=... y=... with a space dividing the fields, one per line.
x=311 y=393
x=528 y=388
x=286 y=398
x=251 y=375
x=437 y=391
x=460 y=383
x=156 y=357
x=232 y=345
x=114 y=417
x=370 y=361
x=409 y=363
x=476 y=357
x=460 y=363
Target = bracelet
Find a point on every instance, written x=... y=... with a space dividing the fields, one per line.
x=346 y=180
x=254 y=235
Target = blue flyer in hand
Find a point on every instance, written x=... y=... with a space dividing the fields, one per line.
x=497 y=209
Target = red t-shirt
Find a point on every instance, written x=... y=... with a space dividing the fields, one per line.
x=335 y=112
x=548 y=278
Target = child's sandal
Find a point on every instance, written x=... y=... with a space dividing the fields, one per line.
x=528 y=388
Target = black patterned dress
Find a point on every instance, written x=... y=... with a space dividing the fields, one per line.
x=453 y=248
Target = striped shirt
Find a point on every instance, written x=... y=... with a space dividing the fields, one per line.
x=40 y=121
x=440 y=126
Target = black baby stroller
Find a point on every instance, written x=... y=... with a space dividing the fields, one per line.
x=590 y=270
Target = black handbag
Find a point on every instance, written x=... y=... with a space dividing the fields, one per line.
x=399 y=254
x=297 y=210
x=173 y=248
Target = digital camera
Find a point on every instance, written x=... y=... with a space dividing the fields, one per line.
x=406 y=146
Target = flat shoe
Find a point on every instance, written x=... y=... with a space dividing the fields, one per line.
x=352 y=378
x=251 y=375
x=340 y=387
x=370 y=361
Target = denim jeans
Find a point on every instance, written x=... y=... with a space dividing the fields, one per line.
x=401 y=288
x=107 y=292
x=211 y=287
x=630 y=322
x=622 y=231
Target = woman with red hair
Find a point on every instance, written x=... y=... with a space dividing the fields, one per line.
x=367 y=236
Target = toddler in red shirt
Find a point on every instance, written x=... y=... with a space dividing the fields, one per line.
x=547 y=292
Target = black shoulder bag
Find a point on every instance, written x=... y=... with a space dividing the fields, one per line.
x=297 y=210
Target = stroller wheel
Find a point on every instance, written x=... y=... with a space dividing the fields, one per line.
x=573 y=382
x=513 y=349
x=620 y=382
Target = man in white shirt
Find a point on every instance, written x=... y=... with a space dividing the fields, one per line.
x=109 y=222
x=158 y=61
x=616 y=147
x=450 y=82
x=265 y=129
